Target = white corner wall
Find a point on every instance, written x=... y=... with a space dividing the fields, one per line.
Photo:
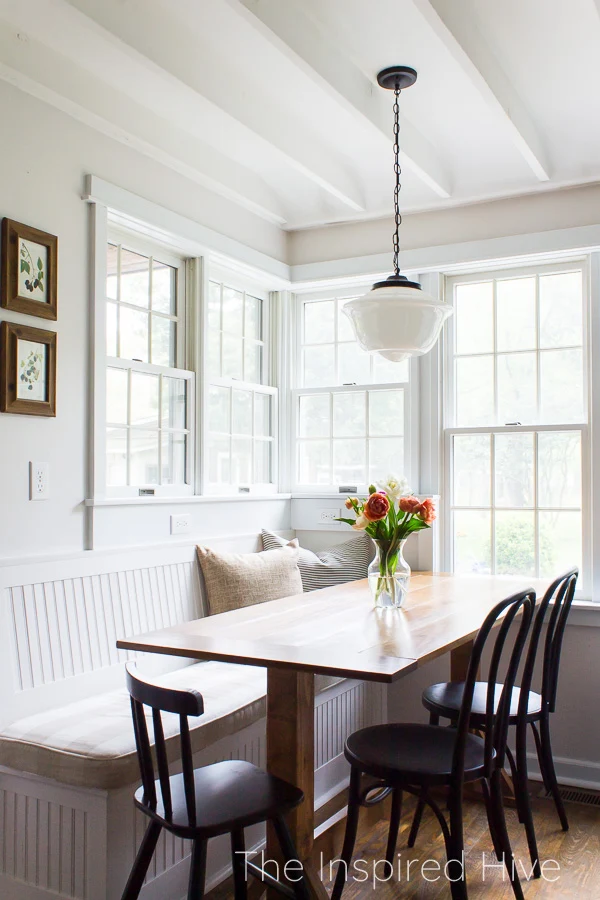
x=503 y=218
x=44 y=157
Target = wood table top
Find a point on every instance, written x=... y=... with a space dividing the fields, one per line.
x=337 y=630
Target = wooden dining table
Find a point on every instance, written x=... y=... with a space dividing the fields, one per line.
x=335 y=631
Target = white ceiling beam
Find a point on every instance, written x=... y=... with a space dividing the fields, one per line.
x=455 y=26
x=38 y=71
x=301 y=40
x=155 y=74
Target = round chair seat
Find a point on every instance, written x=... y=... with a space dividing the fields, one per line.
x=412 y=754
x=229 y=795
x=445 y=700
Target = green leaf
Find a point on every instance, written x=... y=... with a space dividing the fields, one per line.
x=347 y=521
x=25 y=267
x=40 y=264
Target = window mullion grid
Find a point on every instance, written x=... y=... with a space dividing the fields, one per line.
x=221 y=329
x=495 y=347
x=230 y=435
x=128 y=444
x=331 y=437
x=492 y=502
x=536 y=511
x=244 y=304
x=149 y=309
x=538 y=355
x=253 y=441
x=160 y=442
x=367 y=436
x=118 y=310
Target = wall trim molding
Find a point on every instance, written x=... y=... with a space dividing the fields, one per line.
x=583 y=773
x=156 y=222
x=455 y=258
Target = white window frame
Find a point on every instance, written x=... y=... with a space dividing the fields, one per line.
x=268 y=385
x=104 y=235
x=449 y=429
x=410 y=388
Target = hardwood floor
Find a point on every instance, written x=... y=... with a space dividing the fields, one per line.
x=577 y=853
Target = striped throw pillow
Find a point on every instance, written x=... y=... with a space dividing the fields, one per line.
x=345 y=562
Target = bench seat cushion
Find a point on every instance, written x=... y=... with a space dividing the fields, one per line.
x=90 y=743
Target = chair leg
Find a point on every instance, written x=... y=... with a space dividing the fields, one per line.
x=290 y=854
x=455 y=847
x=238 y=861
x=515 y=777
x=434 y=719
x=540 y=756
x=497 y=807
x=394 y=825
x=416 y=822
x=142 y=861
x=522 y=792
x=550 y=772
x=350 y=835
x=485 y=790
x=197 y=871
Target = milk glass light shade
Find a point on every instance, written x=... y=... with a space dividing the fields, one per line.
x=397 y=319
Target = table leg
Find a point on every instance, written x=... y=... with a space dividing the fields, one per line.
x=290 y=755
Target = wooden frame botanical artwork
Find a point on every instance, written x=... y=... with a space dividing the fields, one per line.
x=29 y=270
x=27 y=370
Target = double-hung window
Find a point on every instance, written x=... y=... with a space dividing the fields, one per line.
x=516 y=437
x=241 y=403
x=350 y=408
x=149 y=393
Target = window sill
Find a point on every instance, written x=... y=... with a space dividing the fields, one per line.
x=189 y=499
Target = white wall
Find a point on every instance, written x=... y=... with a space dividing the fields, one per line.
x=545 y=211
x=44 y=156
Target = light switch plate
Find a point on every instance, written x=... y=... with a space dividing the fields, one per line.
x=39 y=480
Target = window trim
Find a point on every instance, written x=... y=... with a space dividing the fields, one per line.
x=104 y=233
x=574 y=263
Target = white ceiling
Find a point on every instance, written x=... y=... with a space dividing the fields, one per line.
x=274 y=103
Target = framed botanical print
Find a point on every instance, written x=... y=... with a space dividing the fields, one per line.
x=27 y=370
x=29 y=270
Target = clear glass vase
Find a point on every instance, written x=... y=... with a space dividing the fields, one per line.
x=389 y=574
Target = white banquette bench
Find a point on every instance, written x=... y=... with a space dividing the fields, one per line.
x=68 y=768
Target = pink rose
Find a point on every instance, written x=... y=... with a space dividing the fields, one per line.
x=350 y=502
x=427 y=512
x=377 y=507
x=409 y=504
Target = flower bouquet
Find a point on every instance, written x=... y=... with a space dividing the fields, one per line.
x=389 y=515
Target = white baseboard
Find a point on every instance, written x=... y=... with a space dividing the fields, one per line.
x=581 y=773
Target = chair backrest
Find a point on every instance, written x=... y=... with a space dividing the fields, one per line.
x=560 y=596
x=182 y=703
x=497 y=711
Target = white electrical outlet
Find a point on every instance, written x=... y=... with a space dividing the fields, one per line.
x=328 y=516
x=180 y=524
x=39 y=480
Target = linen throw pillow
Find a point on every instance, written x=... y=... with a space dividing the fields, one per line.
x=233 y=580
x=337 y=565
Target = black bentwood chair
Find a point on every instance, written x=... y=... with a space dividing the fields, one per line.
x=223 y=798
x=444 y=701
x=417 y=758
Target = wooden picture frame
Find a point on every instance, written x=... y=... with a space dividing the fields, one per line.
x=27 y=370
x=29 y=260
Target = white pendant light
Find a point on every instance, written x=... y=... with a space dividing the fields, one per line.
x=396 y=318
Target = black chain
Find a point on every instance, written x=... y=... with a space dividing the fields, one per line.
x=398 y=171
